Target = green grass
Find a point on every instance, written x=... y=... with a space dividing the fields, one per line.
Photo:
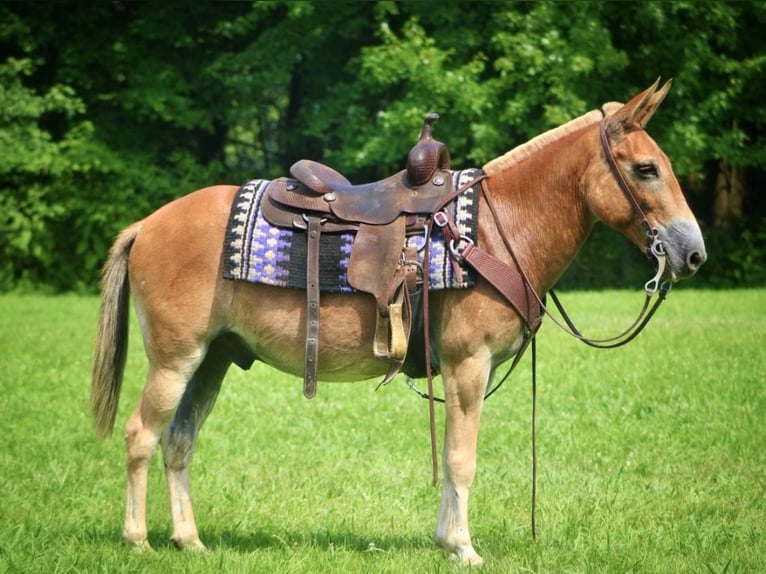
x=652 y=457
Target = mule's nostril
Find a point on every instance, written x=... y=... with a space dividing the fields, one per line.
x=695 y=260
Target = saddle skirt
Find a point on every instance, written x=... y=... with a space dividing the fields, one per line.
x=259 y=252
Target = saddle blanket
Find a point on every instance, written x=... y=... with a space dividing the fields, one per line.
x=256 y=251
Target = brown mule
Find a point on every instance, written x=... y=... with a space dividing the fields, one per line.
x=548 y=195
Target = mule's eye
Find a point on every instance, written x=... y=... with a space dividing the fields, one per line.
x=646 y=169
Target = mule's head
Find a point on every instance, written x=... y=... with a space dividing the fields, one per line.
x=649 y=177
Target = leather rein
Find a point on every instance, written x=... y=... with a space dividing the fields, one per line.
x=654 y=249
x=506 y=278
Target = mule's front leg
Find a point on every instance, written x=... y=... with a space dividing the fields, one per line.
x=464 y=388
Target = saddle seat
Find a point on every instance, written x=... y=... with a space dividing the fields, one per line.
x=378 y=203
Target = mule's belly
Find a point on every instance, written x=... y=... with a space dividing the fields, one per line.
x=272 y=323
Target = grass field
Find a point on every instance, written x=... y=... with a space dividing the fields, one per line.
x=652 y=457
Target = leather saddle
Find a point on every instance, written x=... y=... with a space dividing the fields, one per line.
x=318 y=199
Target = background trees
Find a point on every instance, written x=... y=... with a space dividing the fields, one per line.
x=108 y=110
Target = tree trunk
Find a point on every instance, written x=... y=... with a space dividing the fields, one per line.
x=729 y=195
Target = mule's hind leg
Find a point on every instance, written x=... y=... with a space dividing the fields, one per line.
x=156 y=407
x=178 y=444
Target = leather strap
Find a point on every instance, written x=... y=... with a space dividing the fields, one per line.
x=615 y=169
x=311 y=362
x=427 y=321
x=395 y=339
x=509 y=282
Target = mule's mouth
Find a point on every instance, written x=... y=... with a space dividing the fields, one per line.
x=684 y=249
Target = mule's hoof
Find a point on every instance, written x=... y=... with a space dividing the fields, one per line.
x=190 y=545
x=462 y=553
x=139 y=546
x=467 y=557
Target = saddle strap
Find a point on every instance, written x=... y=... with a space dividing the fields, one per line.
x=311 y=362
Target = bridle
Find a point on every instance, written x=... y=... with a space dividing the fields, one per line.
x=654 y=248
x=655 y=285
x=654 y=244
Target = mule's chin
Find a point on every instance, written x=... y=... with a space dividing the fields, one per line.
x=671 y=276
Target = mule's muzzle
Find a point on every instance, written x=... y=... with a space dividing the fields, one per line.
x=684 y=248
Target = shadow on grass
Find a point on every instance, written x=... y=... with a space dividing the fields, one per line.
x=262 y=538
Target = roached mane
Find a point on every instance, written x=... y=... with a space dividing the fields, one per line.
x=523 y=151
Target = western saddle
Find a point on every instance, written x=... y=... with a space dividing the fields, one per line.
x=318 y=199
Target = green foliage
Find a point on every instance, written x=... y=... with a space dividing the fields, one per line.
x=651 y=456
x=109 y=110
x=716 y=54
x=34 y=168
x=81 y=161
x=738 y=257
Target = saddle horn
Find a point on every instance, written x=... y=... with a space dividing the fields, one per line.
x=427 y=155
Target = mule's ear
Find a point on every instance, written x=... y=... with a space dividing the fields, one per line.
x=654 y=103
x=638 y=111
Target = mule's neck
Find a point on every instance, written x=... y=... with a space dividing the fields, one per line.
x=542 y=209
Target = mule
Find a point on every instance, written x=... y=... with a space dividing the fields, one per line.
x=547 y=194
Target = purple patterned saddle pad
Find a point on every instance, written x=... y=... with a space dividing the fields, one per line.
x=256 y=251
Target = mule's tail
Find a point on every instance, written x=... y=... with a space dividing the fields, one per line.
x=112 y=334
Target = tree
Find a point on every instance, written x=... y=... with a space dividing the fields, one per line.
x=98 y=129
x=111 y=109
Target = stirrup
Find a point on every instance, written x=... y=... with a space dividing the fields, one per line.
x=390 y=334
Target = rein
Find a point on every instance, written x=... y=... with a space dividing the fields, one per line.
x=654 y=248
x=505 y=279
x=655 y=284
x=451 y=232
